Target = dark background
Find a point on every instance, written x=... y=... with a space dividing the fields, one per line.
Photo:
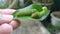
x=55 y=7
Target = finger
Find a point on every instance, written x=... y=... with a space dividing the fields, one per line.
x=15 y=24
x=7 y=11
x=5 y=18
x=6 y=29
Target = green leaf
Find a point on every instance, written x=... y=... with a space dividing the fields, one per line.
x=38 y=7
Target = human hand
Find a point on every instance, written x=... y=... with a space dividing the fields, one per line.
x=7 y=24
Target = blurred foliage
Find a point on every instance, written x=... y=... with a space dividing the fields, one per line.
x=51 y=28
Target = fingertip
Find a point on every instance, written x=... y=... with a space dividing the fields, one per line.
x=15 y=24
x=5 y=18
x=7 y=11
x=6 y=29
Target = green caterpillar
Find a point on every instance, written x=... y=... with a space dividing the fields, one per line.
x=40 y=14
x=35 y=15
x=25 y=13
